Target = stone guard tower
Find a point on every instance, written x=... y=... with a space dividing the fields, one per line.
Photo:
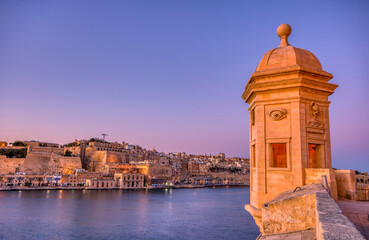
x=289 y=120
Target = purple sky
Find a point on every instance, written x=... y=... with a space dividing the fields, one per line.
x=170 y=74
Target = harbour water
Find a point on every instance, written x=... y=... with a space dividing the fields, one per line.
x=203 y=213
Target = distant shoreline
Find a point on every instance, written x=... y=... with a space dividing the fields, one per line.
x=116 y=188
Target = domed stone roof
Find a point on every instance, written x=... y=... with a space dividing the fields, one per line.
x=286 y=56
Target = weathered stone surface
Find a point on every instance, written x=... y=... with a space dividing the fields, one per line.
x=97 y=160
x=291 y=211
x=49 y=163
x=309 y=207
x=301 y=235
x=63 y=165
x=331 y=223
x=346 y=185
x=10 y=165
x=315 y=175
x=36 y=163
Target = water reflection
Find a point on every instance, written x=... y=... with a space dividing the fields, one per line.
x=116 y=214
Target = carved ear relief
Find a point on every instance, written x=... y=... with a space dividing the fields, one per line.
x=278 y=114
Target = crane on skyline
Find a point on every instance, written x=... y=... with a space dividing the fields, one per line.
x=104 y=135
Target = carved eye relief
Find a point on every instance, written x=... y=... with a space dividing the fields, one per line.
x=278 y=114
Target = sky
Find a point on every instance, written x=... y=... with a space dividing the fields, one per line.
x=169 y=75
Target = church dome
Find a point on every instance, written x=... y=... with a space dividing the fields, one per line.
x=287 y=56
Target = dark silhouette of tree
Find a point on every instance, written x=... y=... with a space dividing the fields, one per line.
x=68 y=153
x=19 y=144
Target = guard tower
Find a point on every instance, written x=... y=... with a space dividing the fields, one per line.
x=289 y=119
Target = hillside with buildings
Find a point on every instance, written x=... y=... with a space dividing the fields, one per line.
x=96 y=163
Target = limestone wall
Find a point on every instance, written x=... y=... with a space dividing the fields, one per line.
x=331 y=223
x=76 y=151
x=115 y=157
x=49 y=163
x=306 y=208
x=346 y=186
x=10 y=165
x=96 y=160
x=36 y=163
x=289 y=212
x=47 y=149
x=63 y=165
x=314 y=176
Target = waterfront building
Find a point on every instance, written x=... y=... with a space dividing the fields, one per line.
x=106 y=183
x=130 y=180
x=79 y=178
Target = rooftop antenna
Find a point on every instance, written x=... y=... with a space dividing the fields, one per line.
x=104 y=135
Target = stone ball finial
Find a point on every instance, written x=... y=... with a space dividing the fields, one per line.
x=283 y=31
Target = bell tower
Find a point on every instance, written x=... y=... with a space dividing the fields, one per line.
x=289 y=119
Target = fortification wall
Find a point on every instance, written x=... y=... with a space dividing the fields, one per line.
x=47 y=149
x=36 y=163
x=10 y=165
x=63 y=165
x=115 y=157
x=49 y=163
x=76 y=151
x=96 y=160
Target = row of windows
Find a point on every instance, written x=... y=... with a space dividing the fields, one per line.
x=103 y=184
x=133 y=177
x=278 y=155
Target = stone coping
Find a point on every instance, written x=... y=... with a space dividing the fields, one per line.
x=297 y=192
x=331 y=223
x=301 y=235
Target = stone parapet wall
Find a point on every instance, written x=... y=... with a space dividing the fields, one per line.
x=291 y=211
x=346 y=187
x=315 y=176
x=306 y=208
x=47 y=149
x=331 y=223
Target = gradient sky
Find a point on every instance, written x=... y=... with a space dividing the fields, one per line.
x=170 y=74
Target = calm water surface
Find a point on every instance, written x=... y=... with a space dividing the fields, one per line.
x=204 y=213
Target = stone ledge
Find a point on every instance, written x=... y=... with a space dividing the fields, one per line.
x=331 y=223
x=295 y=214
